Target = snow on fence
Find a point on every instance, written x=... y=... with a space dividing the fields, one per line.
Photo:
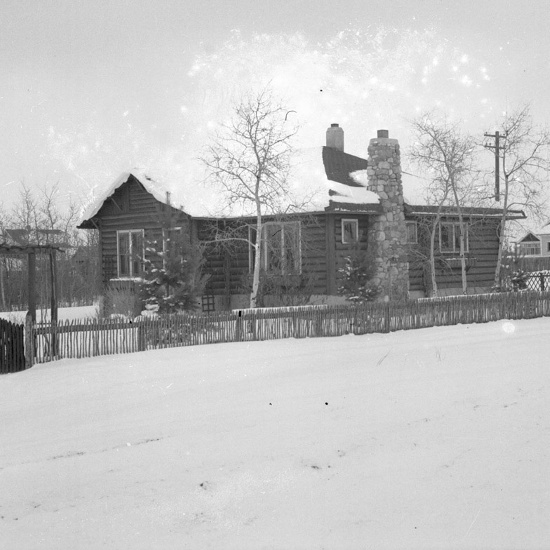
x=89 y=337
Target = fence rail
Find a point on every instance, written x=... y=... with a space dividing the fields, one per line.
x=88 y=338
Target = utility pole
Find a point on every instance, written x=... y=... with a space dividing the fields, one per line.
x=496 y=147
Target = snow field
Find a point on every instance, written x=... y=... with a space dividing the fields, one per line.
x=434 y=438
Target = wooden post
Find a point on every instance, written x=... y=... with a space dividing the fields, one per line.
x=29 y=341
x=53 y=302
x=31 y=283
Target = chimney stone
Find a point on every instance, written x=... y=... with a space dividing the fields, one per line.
x=388 y=234
x=335 y=137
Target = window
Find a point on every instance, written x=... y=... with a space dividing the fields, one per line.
x=208 y=304
x=529 y=248
x=281 y=247
x=449 y=237
x=129 y=252
x=412 y=233
x=350 y=231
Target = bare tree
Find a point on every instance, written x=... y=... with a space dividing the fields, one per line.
x=249 y=161
x=524 y=153
x=42 y=219
x=447 y=156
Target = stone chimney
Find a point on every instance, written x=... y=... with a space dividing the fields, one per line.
x=388 y=232
x=335 y=137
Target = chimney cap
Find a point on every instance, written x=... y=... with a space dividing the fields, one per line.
x=334 y=125
x=383 y=134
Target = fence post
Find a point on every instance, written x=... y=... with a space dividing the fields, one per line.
x=387 y=317
x=29 y=340
x=141 y=337
x=541 y=282
x=238 y=327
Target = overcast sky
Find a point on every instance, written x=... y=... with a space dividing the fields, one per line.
x=91 y=89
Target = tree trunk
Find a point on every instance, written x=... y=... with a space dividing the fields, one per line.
x=257 y=263
x=462 y=239
x=432 y=257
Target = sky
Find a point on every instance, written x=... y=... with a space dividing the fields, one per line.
x=93 y=89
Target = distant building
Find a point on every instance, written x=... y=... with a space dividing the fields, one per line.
x=535 y=243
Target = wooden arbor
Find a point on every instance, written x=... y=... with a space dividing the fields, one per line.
x=31 y=250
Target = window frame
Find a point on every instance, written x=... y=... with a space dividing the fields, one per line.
x=297 y=225
x=131 y=252
x=455 y=238
x=530 y=244
x=414 y=224
x=355 y=233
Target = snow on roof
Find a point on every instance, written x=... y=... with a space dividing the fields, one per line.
x=309 y=187
x=194 y=200
x=309 y=178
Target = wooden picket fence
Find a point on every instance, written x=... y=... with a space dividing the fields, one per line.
x=92 y=337
x=12 y=347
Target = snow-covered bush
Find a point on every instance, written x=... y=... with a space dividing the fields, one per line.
x=121 y=298
x=355 y=282
x=519 y=279
x=172 y=277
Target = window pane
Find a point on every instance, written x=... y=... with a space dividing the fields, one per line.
x=446 y=237
x=137 y=252
x=273 y=247
x=123 y=254
x=411 y=232
x=457 y=238
x=349 y=231
x=251 y=248
x=282 y=247
x=291 y=260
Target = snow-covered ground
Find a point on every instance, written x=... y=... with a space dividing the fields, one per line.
x=435 y=438
x=63 y=313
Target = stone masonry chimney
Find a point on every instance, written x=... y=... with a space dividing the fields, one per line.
x=388 y=232
x=335 y=137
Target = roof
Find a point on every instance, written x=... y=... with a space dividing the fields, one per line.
x=530 y=237
x=195 y=202
x=470 y=211
x=320 y=178
x=536 y=234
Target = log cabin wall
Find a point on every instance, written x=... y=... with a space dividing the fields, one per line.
x=227 y=261
x=130 y=207
x=483 y=237
x=342 y=249
x=228 y=264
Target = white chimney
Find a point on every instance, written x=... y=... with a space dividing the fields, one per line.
x=335 y=137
